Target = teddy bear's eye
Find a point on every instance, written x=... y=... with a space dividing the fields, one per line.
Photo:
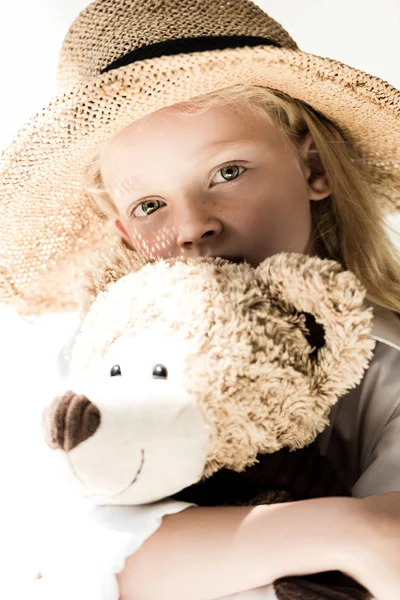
x=115 y=370
x=160 y=372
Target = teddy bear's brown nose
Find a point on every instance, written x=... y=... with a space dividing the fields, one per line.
x=69 y=420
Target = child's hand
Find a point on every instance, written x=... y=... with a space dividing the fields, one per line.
x=377 y=564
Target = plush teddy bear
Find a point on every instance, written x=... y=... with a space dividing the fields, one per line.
x=208 y=382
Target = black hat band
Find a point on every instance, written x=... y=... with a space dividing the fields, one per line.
x=187 y=45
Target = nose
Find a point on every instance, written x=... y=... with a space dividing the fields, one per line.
x=69 y=420
x=197 y=226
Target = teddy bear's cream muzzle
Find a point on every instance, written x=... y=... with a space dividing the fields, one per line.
x=122 y=453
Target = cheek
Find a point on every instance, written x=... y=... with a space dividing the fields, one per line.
x=153 y=243
x=280 y=193
x=288 y=185
x=278 y=213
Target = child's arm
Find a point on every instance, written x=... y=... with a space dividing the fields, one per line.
x=206 y=553
x=377 y=562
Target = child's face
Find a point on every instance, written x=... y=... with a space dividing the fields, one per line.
x=221 y=183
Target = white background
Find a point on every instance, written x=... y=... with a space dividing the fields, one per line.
x=362 y=33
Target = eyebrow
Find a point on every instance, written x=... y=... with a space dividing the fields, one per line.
x=227 y=143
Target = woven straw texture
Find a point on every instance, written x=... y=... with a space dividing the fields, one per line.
x=46 y=227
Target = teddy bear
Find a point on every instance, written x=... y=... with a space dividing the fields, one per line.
x=208 y=381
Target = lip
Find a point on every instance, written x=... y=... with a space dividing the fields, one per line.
x=237 y=260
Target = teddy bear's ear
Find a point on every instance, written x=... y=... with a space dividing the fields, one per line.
x=319 y=287
x=337 y=322
x=106 y=267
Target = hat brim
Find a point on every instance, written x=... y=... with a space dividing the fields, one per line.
x=46 y=226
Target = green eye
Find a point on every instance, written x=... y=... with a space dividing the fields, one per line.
x=230 y=172
x=147 y=208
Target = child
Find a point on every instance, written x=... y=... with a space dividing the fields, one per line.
x=200 y=129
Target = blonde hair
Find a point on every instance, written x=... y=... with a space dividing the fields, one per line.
x=348 y=226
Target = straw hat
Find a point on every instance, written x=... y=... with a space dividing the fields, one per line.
x=123 y=59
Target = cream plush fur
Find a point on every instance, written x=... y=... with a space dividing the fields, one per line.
x=245 y=374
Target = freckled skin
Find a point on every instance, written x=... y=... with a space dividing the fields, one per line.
x=166 y=176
